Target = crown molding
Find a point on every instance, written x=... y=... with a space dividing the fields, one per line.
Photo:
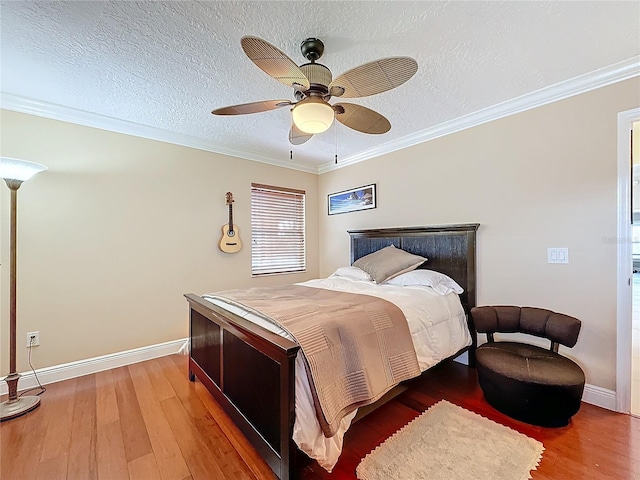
x=617 y=72
x=58 y=112
x=584 y=83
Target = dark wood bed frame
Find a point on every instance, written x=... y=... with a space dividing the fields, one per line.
x=250 y=371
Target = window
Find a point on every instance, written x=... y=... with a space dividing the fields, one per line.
x=277 y=230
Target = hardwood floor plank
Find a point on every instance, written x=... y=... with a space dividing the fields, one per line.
x=571 y=470
x=58 y=436
x=112 y=460
x=548 y=459
x=176 y=378
x=168 y=456
x=53 y=468
x=22 y=441
x=199 y=459
x=12 y=442
x=595 y=456
x=10 y=431
x=144 y=468
x=161 y=386
x=82 y=450
x=106 y=403
x=226 y=456
x=134 y=432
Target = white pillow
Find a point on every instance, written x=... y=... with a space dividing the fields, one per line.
x=440 y=282
x=354 y=273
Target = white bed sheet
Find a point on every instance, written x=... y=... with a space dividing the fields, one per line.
x=438 y=329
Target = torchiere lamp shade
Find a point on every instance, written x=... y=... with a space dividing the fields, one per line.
x=14 y=169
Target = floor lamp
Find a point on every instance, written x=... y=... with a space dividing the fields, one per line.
x=14 y=172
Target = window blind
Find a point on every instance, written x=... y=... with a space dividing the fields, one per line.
x=277 y=230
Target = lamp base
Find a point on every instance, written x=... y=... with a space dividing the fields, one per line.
x=14 y=408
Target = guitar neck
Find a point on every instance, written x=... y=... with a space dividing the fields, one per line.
x=230 y=218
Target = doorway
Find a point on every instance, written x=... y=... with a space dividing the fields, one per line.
x=635 y=284
x=628 y=294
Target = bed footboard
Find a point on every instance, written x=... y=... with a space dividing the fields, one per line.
x=250 y=372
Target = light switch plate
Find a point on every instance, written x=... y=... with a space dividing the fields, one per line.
x=557 y=255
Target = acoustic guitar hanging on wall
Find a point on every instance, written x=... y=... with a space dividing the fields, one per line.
x=230 y=241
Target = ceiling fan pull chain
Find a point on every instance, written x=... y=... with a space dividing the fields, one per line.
x=336 y=157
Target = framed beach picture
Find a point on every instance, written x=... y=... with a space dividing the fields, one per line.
x=361 y=198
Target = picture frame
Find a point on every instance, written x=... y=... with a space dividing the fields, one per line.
x=353 y=200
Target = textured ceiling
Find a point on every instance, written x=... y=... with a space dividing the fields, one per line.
x=166 y=65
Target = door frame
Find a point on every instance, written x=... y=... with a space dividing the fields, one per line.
x=624 y=262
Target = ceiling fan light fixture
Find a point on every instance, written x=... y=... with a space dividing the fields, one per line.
x=313 y=115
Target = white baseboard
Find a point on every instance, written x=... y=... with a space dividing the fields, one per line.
x=66 y=371
x=600 y=397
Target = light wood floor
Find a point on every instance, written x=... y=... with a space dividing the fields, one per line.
x=147 y=421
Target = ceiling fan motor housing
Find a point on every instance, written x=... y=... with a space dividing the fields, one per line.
x=318 y=75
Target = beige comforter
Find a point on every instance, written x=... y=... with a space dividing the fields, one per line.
x=356 y=347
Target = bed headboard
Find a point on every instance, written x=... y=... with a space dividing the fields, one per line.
x=450 y=249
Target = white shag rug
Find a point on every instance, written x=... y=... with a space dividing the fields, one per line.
x=448 y=442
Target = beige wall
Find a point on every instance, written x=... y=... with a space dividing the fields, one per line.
x=542 y=178
x=117 y=230
x=120 y=227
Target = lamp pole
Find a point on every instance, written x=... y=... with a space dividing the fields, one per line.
x=14 y=173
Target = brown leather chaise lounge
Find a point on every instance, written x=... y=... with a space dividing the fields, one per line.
x=524 y=381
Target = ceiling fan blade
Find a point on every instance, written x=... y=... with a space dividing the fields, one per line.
x=274 y=62
x=297 y=136
x=254 y=107
x=361 y=118
x=374 y=77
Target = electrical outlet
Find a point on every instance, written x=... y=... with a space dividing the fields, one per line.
x=33 y=339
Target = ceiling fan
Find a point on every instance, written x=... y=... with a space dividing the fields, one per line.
x=313 y=86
